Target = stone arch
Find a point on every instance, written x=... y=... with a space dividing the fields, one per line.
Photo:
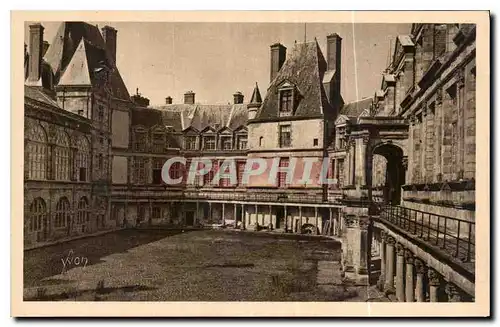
x=395 y=171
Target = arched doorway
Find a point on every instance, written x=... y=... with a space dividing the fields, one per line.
x=394 y=171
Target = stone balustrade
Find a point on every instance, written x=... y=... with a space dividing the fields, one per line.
x=407 y=278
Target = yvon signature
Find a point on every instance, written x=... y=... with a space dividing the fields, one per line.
x=73 y=261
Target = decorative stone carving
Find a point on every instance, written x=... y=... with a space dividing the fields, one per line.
x=453 y=292
x=364 y=222
x=439 y=97
x=460 y=77
x=351 y=221
x=400 y=250
x=434 y=278
x=420 y=267
x=405 y=162
x=390 y=240
x=409 y=257
x=383 y=236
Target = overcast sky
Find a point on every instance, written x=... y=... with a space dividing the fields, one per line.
x=216 y=59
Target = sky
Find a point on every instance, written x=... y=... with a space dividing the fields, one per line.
x=214 y=60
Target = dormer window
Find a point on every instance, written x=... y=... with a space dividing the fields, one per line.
x=190 y=142
x=226 y=143
x=286 y=100
x=287 y=96
x=209 y=142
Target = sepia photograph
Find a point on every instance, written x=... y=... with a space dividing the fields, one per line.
x=304 y=161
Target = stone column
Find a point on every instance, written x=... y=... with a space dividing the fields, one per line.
x=243 y=217
x=351 y=179
x=381 y=278
x=333 y=225
x=210 y=212
x=286 y=218
x=360 y=162
x=434 y=284
x=400 y=273
x=235 y=215
x=453 y=293
x=256 y=216
x=196 y=216
x=356 y=246
x=270 y=217
x=409 y=284
x=223 y=214
x=389 y=266
x=317 y=220
x=420 y=270
x=299 y=229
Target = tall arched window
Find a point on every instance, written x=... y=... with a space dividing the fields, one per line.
x=63 y=213
x=36 y=153
x=61 y=156
x=83 y=211
x=38 y=212
x=82 y=159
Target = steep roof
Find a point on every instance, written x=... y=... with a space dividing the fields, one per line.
x=80 y=47
x=304 y=68
x=35 y=93
x=198 y=116
x=355 y=108
x=256 y=97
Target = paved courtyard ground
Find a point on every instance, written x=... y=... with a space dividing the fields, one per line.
x=207 y=265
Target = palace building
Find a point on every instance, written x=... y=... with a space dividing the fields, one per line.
x=94 y=154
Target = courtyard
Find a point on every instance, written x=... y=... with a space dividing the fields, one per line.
x=202 y=265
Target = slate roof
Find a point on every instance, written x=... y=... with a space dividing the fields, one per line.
x=35 y=93
x=198 y=116
x=305 y=68
x=76 y=52
x=256 y=97
x=355 y=108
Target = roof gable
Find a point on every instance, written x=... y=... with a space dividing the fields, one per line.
x=303 y=68
x=77 y=72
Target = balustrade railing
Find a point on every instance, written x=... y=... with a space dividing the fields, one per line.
x=453 y=235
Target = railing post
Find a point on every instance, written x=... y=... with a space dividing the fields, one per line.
x=444 y=234
x=437 y=229
x=428 y=226
x=469 y=243
x=458 y=240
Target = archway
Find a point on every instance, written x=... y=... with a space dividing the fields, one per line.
x=394 y=171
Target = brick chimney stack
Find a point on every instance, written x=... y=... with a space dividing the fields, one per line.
x=334 y=62
x=168 y=100
x=109 y=36
x=278 y=56
x=189 y=97
x=35 y=53
x=238 y=97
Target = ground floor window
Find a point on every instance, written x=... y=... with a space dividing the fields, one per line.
x=38 y=213
x=63 y=213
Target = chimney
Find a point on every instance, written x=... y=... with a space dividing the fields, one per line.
x=189 y=97
x=168 y=100
x=46 y=46
x=334 y=56
x=36 y=53
x=334 y=51
x=238 y=97
x=109 y=36
x=278 y=56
